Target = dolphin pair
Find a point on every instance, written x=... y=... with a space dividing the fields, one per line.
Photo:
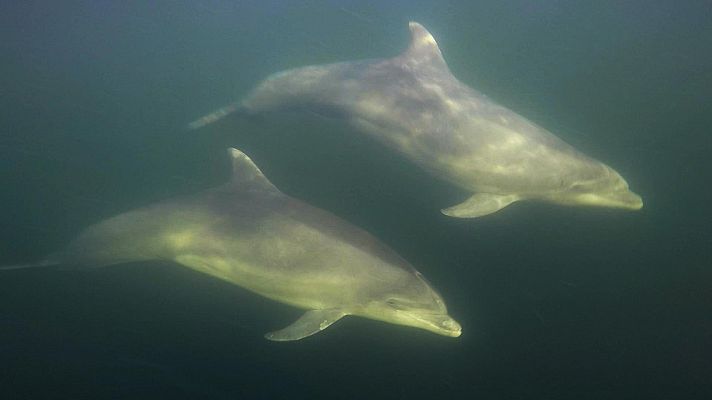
x=250 y=234
x=414 y=105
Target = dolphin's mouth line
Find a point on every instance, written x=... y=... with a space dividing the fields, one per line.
x=430 y=322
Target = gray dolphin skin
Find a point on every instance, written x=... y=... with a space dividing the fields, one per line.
x=250 y=234
x=414 y=105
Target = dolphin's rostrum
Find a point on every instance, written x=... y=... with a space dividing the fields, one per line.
x=413 y=104
x=250 y=234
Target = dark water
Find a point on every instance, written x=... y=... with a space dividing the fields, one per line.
x=555 y=302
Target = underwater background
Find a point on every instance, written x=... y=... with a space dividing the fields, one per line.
x=555 y=302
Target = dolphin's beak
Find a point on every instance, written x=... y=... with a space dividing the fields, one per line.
x=630 y=201
x=440 y=324
x=619 y=199
x=451 y=327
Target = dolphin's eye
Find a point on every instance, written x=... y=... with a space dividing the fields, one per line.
x=577 y=187
x=393 y=303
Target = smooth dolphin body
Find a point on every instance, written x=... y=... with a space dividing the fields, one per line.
x=413 y=104
x=250 y=234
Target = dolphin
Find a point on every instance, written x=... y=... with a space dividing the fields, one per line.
x=252 y=235
x=414 y=105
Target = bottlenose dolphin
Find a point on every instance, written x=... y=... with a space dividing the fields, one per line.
x=413 y=104
x=250 y=234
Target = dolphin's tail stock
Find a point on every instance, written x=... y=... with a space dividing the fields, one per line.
x=216 y=115
x=47 y=262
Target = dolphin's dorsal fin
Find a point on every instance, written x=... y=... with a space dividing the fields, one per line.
x=246 y=175
x=423 y=49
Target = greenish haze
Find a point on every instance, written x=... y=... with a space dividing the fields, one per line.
x=555 y=302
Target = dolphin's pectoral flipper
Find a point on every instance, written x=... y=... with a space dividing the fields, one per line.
x=311 y=322
x=480 y=204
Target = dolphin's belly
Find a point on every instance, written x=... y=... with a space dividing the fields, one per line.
x=256 y=277
x=478 y=146
x=515 y=164
x=289 y=262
